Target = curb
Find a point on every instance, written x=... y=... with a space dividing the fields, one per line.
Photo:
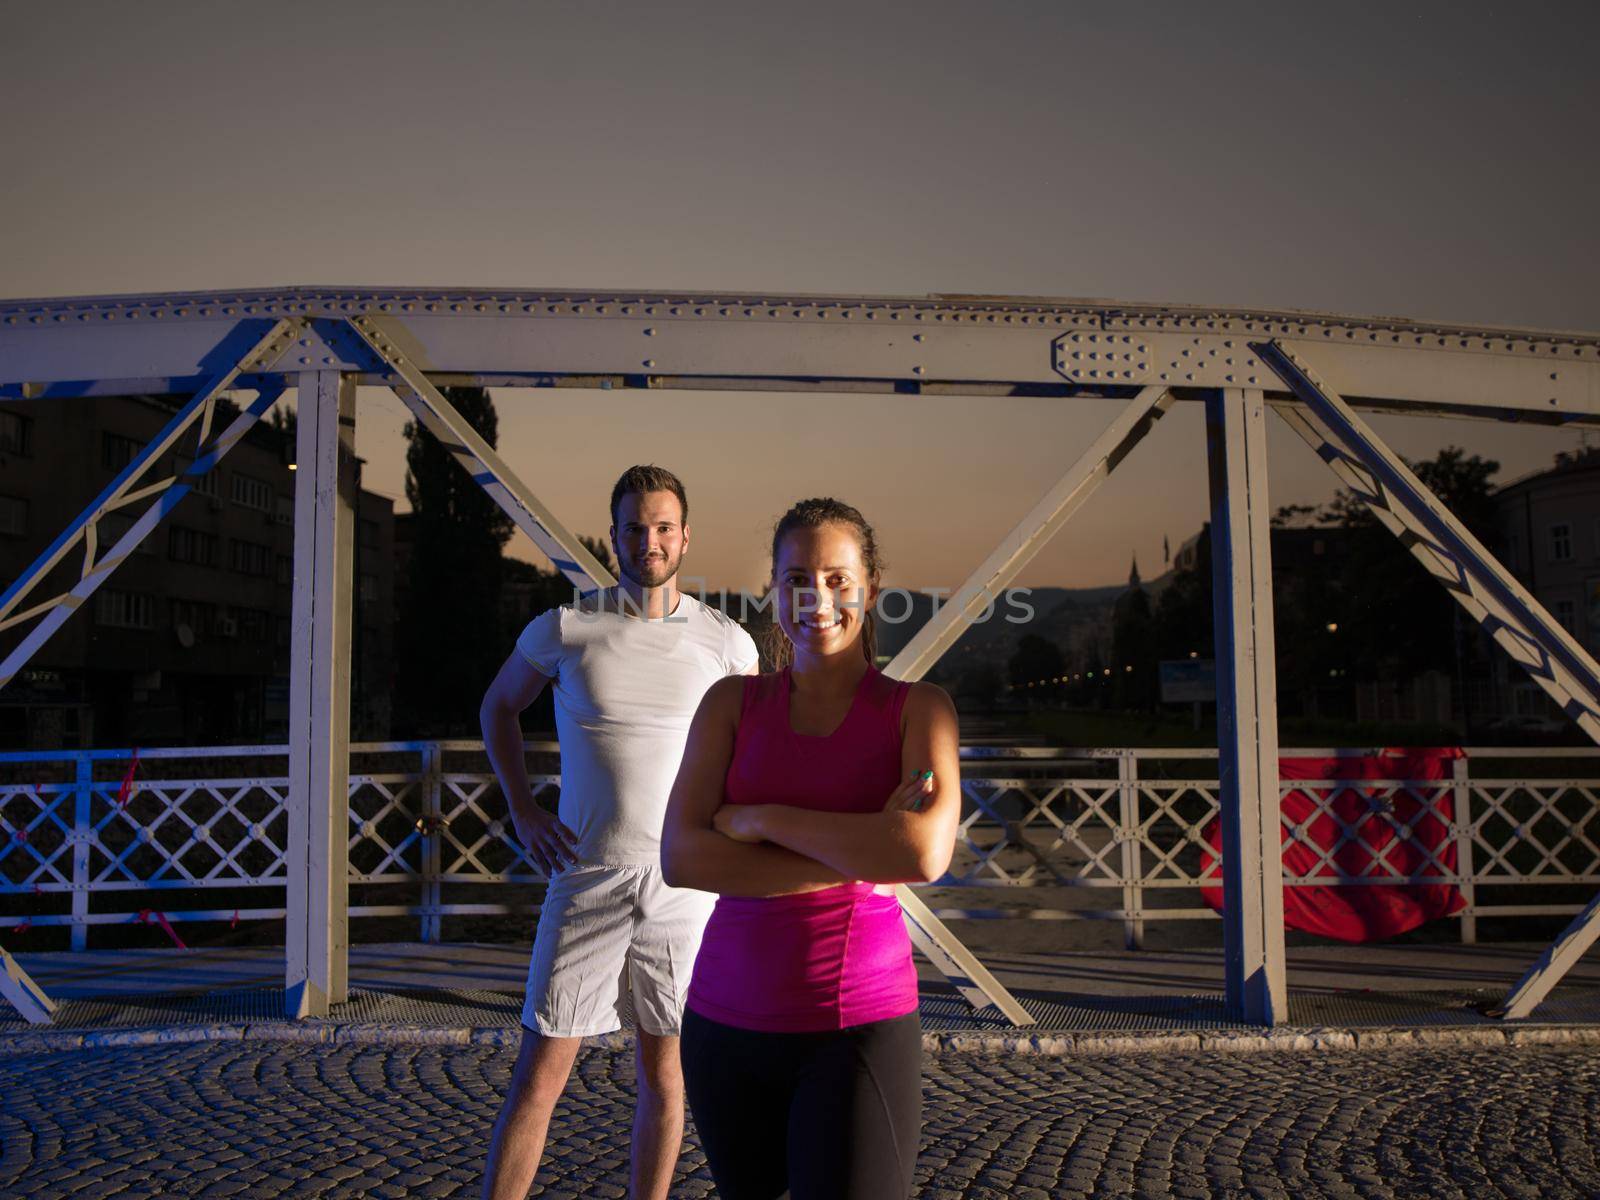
x=1038 y=1045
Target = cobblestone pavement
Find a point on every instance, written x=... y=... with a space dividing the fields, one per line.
x=248 y=1119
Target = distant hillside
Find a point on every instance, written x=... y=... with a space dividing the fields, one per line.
x=1064 y=616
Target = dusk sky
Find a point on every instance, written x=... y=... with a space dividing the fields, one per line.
x=1427 y=160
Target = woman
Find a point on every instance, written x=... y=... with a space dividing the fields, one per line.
x=802 y=796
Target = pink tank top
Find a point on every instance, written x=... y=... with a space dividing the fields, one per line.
x=816 y=960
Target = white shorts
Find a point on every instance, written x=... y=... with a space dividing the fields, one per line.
x=599 y=924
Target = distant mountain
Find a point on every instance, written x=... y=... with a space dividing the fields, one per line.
x=1065 y=616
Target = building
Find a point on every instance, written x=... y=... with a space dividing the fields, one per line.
x=1549 y=527
x=188 y=641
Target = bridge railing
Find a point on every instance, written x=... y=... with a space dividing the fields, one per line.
x=198 y=834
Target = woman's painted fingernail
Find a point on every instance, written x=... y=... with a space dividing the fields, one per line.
x=927 y=774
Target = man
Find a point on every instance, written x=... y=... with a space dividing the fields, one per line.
x=630 y=665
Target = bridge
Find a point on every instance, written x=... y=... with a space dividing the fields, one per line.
x=1317 y=372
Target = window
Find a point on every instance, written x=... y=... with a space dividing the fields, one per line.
x=252 y=623
x=198 y=615
x=285 y=568
x=186 y=545
x=252 y=493
x=1561 y=542
x=13 y=516
x=111 y=529
x=16 y=434
x=124 y=610
x=1566 y=615
x=285 y=630
x=367 y=590
x=368 y=530
x=1514 y=551
x=209 y=484
x=284 y=513
x=249 y=558
x=117 y=451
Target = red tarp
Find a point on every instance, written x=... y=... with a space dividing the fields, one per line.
x=1349 y=911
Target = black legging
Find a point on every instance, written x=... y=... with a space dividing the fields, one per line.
x=825 y=1116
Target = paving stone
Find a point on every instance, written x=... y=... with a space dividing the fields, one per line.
x=237 y=1119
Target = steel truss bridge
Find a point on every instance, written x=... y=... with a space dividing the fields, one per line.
x=1318 y=372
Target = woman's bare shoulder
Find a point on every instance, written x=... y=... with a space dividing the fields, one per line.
x=927 y=703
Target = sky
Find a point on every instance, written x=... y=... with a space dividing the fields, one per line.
x=1425 y=160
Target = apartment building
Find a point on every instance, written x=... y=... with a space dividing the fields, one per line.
x=188 y=641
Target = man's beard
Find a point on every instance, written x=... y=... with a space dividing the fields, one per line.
x=666 y=568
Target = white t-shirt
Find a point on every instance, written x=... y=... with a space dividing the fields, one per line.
x=626 y=689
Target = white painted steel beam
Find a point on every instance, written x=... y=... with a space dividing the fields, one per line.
x=1031 y=534
x=70 y=347
x=316 y=938
x=97 y=571
x=387 y=339
x=22 y=993
x=1492 y=595
x=1247 y=707
x=1559 y=957
x=955 y=962
x=122 y=492
x=918 y=656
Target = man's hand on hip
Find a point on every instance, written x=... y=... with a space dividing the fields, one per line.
x=550 y=843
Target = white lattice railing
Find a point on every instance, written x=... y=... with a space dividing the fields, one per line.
x=205 y=824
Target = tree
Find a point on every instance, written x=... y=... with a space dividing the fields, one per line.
x=1182 y=618
x=447 y=643
x=1036 y=658
x=1133 y=644
x=1396 y=618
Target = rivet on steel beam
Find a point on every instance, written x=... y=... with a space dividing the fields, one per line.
x=649 y=362
x=650 y=333
x=917 y=337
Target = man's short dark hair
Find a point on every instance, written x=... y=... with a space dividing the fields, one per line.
x=649 y=479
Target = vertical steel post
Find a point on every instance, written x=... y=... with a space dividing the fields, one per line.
x=1128 y=832
x=1247 y=706
x=316 y=939
x=432 y=835
x=82 y=834
x=1461 y=797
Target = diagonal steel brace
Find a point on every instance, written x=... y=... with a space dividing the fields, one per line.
x=26 y=996
x=120 y=493
x=1031 y=534
x=436 y=414
x=1480 y=584
x=917 y=657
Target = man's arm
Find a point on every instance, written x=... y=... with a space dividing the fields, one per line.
x=518 y=685
x=695 y=855
x=899 y=844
